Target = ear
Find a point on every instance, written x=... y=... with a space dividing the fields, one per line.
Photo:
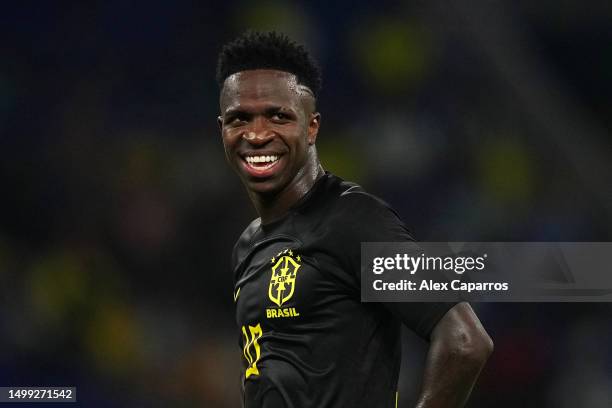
x=220 y=122
x=313 y=127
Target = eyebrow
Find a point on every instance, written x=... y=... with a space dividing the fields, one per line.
x=267 y=110
x=305 y=89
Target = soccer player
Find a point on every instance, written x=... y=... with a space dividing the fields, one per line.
x=306 y=339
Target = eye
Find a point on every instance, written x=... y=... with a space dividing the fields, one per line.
x=236 y=119
x=280 y=116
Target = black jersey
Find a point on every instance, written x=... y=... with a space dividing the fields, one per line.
x=306 y=339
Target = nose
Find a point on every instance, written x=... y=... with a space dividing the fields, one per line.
x=258 y=133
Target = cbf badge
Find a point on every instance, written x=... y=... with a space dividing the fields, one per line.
x=282 y=282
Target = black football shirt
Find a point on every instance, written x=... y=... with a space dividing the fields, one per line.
x=306 y=338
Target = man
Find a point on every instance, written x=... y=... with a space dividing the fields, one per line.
x=306 y=338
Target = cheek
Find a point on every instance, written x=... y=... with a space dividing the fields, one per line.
x=229 y=144
x=230 y=138
x=301 y=136
x=227 y=151
x=300 y=149
x=299 y=145
x=226 y=144
x=304 y=139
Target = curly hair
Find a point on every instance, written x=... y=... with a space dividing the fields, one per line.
x=268 y=50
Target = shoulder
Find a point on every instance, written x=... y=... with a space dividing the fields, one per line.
x=250 y=231
x=336 y=195
x=244 y=242
x=357 y=214
x=353 y=216
x=354 y=203
x=356 y=200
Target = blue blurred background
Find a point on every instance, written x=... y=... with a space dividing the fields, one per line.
x=477 y=120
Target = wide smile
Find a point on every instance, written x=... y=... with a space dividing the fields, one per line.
x=261 y=166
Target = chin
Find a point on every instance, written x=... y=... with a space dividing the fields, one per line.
x=268 y=187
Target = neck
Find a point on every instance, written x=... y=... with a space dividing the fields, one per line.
x=273 y=207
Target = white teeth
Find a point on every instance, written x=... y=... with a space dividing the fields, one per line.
x=261 y=159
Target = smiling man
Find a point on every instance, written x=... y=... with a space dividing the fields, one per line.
x=306 y=339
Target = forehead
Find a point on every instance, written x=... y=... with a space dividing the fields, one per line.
x=261 y=85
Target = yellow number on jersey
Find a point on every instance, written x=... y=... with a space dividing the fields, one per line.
x=251 y=344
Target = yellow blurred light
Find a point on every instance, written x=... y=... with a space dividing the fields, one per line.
x=114 y=340
x=281 y=16
x=393 y=55
x=56 y=286
x=506 y=171
x=338 y=157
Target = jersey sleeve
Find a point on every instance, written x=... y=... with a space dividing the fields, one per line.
x=364 y=218
x=241 y=248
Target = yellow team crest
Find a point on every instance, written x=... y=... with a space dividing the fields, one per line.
x=282 y=282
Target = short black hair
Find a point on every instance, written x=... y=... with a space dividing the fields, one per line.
x=268 y=50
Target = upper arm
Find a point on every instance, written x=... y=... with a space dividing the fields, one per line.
x=461 y=331
x=364 y=218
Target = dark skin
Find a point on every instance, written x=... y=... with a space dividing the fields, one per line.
x=268 y=113
x=458 y=350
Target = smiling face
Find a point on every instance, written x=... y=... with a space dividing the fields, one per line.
x=269 y=128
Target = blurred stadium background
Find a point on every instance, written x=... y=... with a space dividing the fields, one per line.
x=476 y=120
